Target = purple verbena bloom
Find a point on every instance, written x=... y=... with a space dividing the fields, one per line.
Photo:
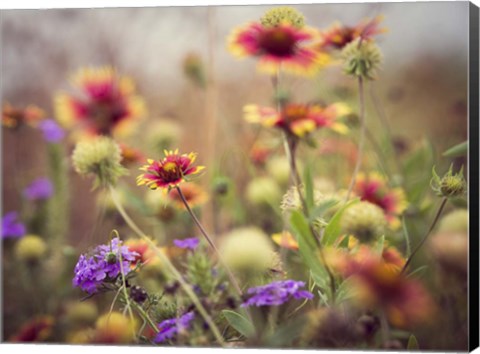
x=11 y=227
x=103 y=264
x=168 y=329
x=39 y=189
x=190 y=243
x=52 y=132
x=276 y=293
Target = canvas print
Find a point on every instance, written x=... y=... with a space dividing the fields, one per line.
x=237 y=176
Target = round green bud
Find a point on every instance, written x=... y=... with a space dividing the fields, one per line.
x=455 y=221
x=453 y=186
x=365 y=221
x=31 y=248
x=263 y=191
x=361 y=59
x=111 y=258
x=99 y=157
x=283 y=14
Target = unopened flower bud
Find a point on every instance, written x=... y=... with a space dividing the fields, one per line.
x=362 y=59
x=450 y=185
x=283 y=14
x=365 y=221
x=31 y=248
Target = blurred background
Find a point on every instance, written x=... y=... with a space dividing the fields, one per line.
x=422 y=87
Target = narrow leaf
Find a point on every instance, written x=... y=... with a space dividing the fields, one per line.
x=412 y=343
x=457 y=150
x=333 y=230
x=240 y=323
x=309 y=198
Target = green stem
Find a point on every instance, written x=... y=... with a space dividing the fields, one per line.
x=420 y=244
x=164 y=259
x=145 y=316
x=210 y=242
x=361 y=143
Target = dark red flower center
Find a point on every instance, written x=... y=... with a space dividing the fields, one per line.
x=278 y=41
x=170 y=172
x=294 y=112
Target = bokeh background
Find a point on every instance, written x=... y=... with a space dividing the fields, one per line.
x=422 y=87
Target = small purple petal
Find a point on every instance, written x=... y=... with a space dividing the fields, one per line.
x=168 y=329
x=276 y=293
x=190 y=243
x=39 y=189
x=11 y=227
x=52 y=132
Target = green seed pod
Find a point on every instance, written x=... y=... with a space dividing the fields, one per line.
x=283 y=14
x=365 y=221
x=450 y=185
x=361 y=59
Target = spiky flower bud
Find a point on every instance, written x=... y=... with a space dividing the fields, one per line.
x=365 y=221
x=101 y=158
x=31 y=248
x=283 y=14
x=291 y=200
x=362 y=59
x=450 y=185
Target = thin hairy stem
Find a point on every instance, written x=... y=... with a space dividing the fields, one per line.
x=210 y=242
x=125 y=293
x=164 y=259
x=145 y=316
x=420 y=244
x=361 y=143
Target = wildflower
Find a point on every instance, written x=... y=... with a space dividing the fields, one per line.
x=450 y=185
x=115 y=328
x=362 y=59
x=103 y=265
x=39 y=189
x=338 y=36
x=11 y=227
x=130 y=155
x=37 y=329
x=276 y=293
x=263 y=191
x=52 y=132
x=13 y=117
x=99 y=157
x=169 y=172
x=279 y=40
x=374 y=282
x=30 y=249
x=365 y=221
x=299 y=119
x=373 y=188
x=141 y=248
x=248 y=249
x=188 y=243
x=170 y=328
x=286 y=240
x=193 y=193
x=259 y=154
x=106 y=103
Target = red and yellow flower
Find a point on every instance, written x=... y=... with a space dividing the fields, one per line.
x=168 y=172
x=284 y=45
x=193 y=193
x=299 y=119
x=106 y=102
x=373 y=188
x=14 y=117
x=338 y=35
x=286 y=240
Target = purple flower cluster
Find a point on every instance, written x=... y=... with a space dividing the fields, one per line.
x=11 y=227
x=52 y=132
x=39 y=189
x=189 y=243
x=170 y=328
x=276 y=293
x=104 y=264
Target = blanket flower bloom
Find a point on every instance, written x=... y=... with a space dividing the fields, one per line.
x=103 y=265
x=106 y=102
x=276 y=293
x=14 y=117
x=169 y=329
x=279 y=39
x=373 y=188
x=11 y=227
x=299 y=119
x=168 y=172
x=338 y=35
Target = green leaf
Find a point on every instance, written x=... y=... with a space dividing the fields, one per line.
x=457 y=150
x=412 y=343
x=333 y=229
x=407 y=238
x=240 y=323
x=284 y=335
x=309 y=197
x=322 y=208
x=302 y=229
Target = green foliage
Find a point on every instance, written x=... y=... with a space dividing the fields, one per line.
x=333 y=230
x=457 y=150
x=239 y=322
